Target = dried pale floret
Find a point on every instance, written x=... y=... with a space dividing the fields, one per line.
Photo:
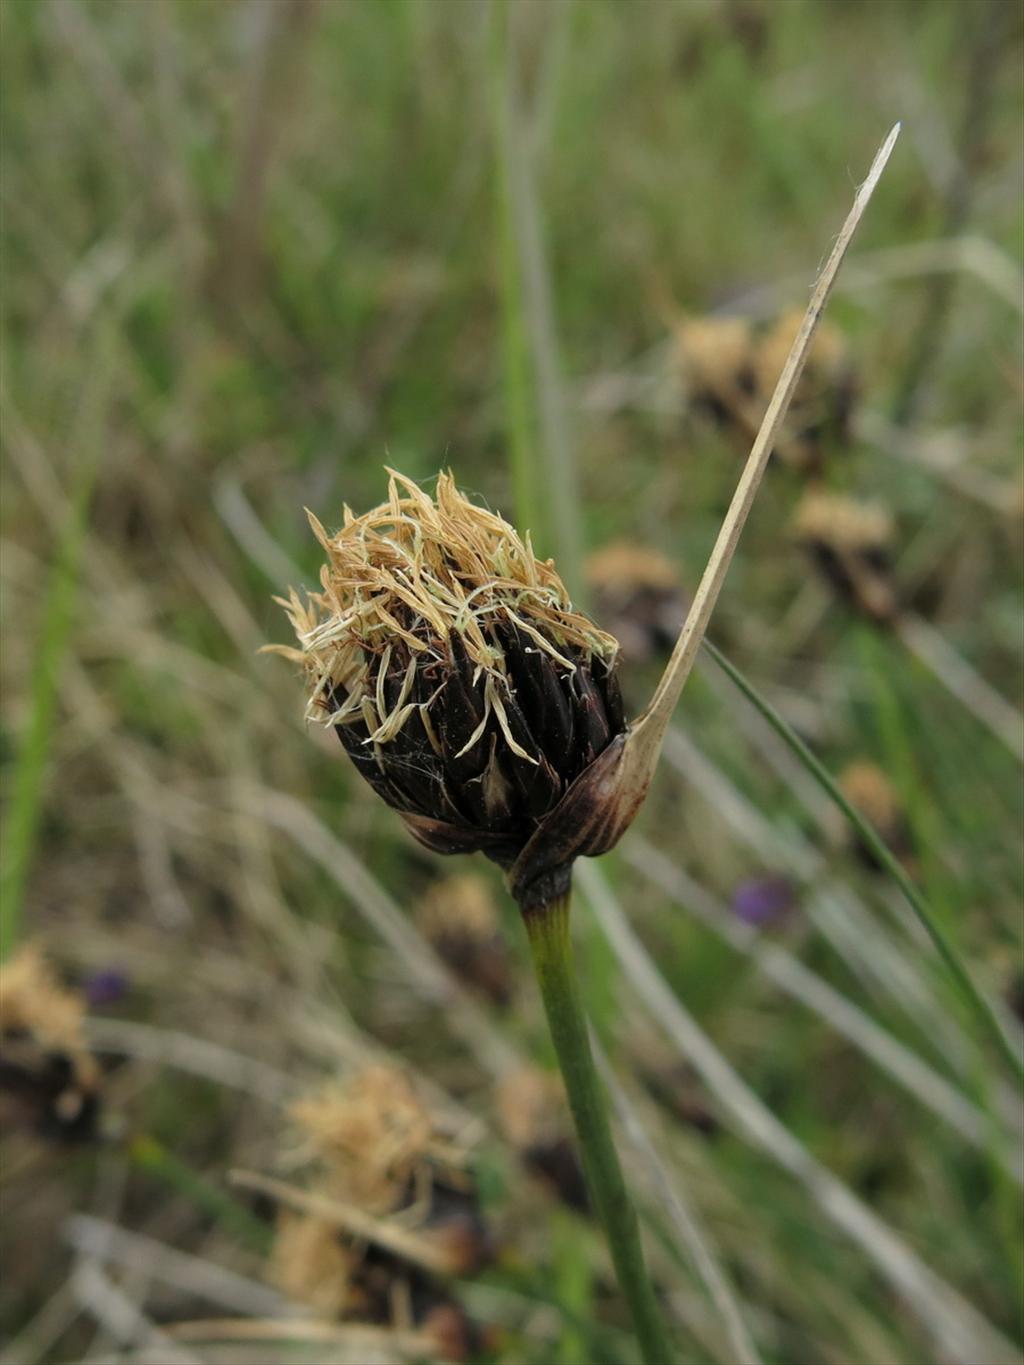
x=375 y=1138
x=867 y=787
x=392 y=1205
x=531 y=1107
x=731 y=367
x=717 y=357
x=421 y=569
x=622 y=565
x=465 y=903
x=843 y=522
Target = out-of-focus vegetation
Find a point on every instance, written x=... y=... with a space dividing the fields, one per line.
x=251 y=253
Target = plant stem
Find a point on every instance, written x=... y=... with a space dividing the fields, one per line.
x=982 y=1009
x=548 y=930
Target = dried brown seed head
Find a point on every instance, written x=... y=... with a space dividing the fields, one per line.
x=851 y=543
x=311 y=1264
x=47 y=1074
x=455 y=1336
x=731 y=367
x=866 y=786
x=462 y=904
x=464 y=685
x=828 y=362
x=531 y=1107
x=843 y=523
x=716 y=356
x=822 y=406
x=373 y=1136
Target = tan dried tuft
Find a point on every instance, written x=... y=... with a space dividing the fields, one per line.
x=622 y=567
x=866 y=786
x=419 y=569
x=374 y=1138
x=827 y=365
x=310 y=1264
x=731 y=367
x=531 y=1108
x=33 y=1002
x=534 y=1119
x=459 y=917
x=843 y=524
x=715 y=353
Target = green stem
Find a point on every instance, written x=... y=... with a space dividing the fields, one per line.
x=548 y=930
x=980 y=1006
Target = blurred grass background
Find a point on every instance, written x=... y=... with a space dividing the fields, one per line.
x=254 y=251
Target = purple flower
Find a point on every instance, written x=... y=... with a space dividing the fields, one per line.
x=763 y=900
x=105 y=987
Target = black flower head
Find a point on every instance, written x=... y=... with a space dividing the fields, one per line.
x=464 y=686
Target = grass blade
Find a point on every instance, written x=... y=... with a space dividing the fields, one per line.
x=27 y=790
x=691 y=1234
x=960 y=1332
x=968 y=990
x=833 y=1008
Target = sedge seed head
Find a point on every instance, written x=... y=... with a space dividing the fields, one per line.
x=462 y=682
x=851 y=543
x=47 y=1074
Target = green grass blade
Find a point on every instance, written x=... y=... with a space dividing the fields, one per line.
x=26 y=802
x=24 y=810
x=957 y=970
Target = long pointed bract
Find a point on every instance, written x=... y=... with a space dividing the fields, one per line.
x=647 y=734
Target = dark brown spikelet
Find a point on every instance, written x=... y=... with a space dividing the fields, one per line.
x=49 y=1080
x=851 y=544
x=462 y=683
